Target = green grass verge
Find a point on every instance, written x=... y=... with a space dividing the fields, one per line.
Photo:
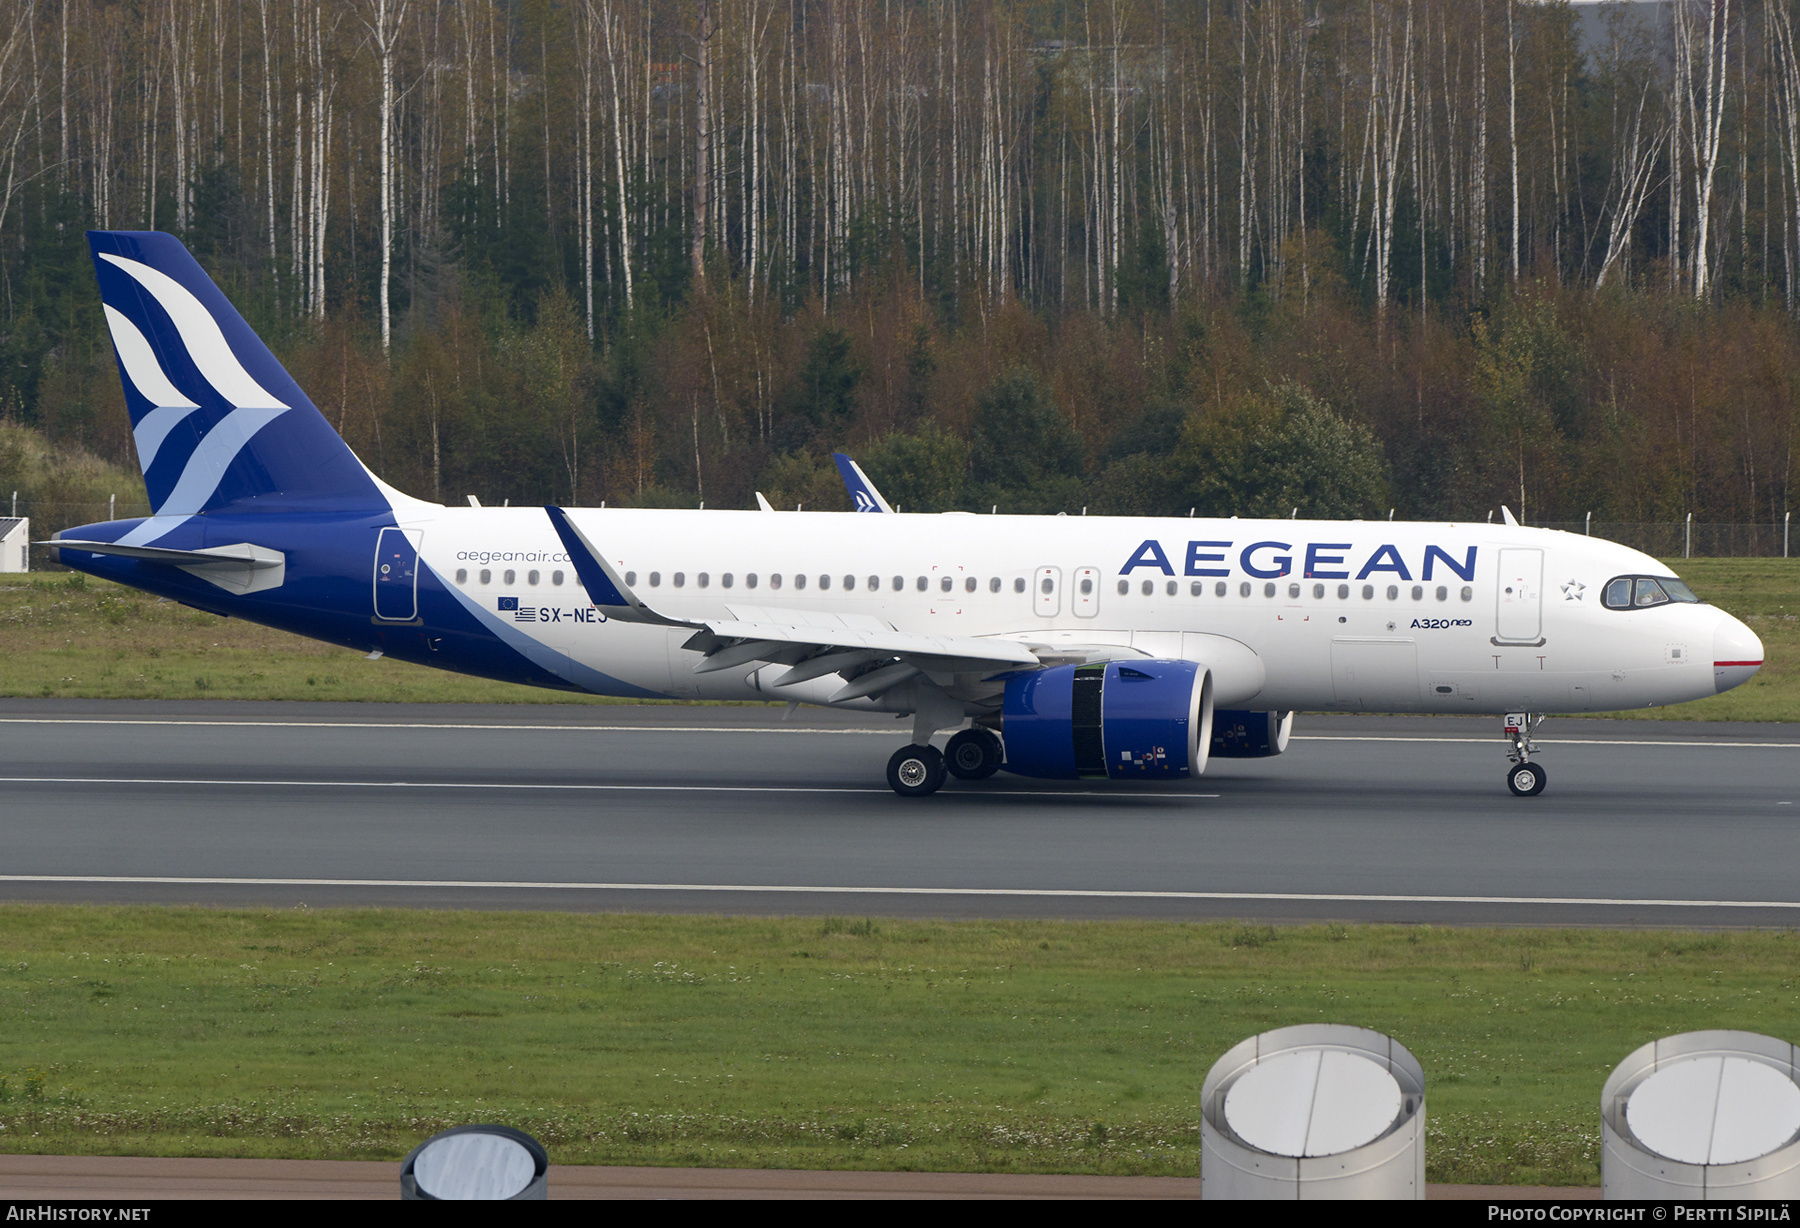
x=976 y=1046
x=71 y=636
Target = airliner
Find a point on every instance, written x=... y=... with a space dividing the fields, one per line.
x=1072 y=647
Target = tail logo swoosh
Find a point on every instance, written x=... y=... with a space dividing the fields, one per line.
x=206 y=345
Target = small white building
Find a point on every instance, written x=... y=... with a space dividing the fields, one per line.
x=15 y=543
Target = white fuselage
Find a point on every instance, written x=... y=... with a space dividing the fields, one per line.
x=1288 y=614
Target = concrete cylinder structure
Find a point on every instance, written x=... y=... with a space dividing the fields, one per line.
x=1703 y=1115
x=1321 y=1110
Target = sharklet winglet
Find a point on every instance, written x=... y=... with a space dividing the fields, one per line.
x=604 y=586
x=863 y=494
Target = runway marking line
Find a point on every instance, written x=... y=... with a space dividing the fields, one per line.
x=450 y=784
x=766 y=889
x=878 y=733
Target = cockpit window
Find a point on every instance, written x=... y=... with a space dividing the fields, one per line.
x=1641 y=592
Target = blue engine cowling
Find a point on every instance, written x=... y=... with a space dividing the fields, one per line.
x=1136 y=720
x=1250 y=735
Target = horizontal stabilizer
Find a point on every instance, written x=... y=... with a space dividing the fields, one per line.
x=256 y=558
x=239 y=568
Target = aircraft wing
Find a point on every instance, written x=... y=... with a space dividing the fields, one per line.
x=869 y=653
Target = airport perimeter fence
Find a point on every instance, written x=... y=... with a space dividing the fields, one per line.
x=1687 y=539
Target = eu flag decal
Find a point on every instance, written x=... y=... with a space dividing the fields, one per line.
x=509 y=603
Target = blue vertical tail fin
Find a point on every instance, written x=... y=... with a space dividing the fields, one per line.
x=218 y=422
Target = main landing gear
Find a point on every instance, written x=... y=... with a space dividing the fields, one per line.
x=973 y=754
x=1524 y=778
x=918 y=770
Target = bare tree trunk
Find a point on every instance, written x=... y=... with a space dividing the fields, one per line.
x=1705 y=126
x=1634 y=165
x=1512 y=130
x=702 y=203
x=385 y=19
x=1479 y=172
x=587 y=51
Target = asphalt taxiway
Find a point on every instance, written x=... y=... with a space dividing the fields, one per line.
x=734 y=810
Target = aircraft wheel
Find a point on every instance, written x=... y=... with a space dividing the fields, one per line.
x=916 y=771
x=1526 y=779
x=973 y=754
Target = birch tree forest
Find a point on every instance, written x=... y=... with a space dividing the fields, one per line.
x=1135 y=255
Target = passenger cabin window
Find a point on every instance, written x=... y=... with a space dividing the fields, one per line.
x=531 y=577
x=899 y=584
x=726 y=579
x=462 y=575
x=1418 y=592
x=487 y=577
x=1343 y=592
x=1293 y=591
x=874 y=584
x=1124 y=587
x=556 y=578
x=1468 y=593
x=922 y=584
x=799 y=581
x=1443 y=594
x=850 y=584
x=1219 y=589
x=1244 y=589
x=1393 y=592
x=1368 y=592
x=969 y=585
x=1269 y=589
x=703 y=579
x=1318 y=592
x=509 y=577
x=775 y=580
x=994 y=585
x=1171 y=587
x=655 y=579
x=1149 y=587
x=678 y=579
x=1197 y=587
x=945 y=583
x=750 y=580
x=1019 y=584
x=824 y=583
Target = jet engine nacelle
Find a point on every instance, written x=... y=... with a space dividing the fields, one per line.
x=1124 y=720
x=1250 y=735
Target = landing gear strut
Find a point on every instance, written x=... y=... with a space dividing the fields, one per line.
x=1525 y=778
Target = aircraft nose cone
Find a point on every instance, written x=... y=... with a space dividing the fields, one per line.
x=1737 y=654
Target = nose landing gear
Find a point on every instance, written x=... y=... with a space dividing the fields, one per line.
x=1524 y=778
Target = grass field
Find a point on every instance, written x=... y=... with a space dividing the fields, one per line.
x=67 y=635
x=973 y=1046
